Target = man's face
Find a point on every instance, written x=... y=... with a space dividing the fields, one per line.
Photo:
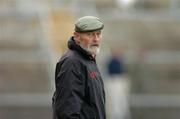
x=90 y=41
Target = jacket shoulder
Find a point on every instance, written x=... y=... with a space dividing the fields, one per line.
x=71 y=59
x=69 y=55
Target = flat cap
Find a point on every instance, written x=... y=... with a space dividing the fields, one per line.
x=88 y=24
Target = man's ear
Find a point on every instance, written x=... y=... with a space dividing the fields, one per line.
x=77 y=37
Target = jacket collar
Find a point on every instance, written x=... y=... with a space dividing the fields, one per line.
x=74 y=46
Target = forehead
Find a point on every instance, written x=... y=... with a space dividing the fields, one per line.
x=98 y=31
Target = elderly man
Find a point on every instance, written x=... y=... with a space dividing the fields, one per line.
x=79 y=87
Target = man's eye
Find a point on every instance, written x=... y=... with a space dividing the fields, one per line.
x=99 y=32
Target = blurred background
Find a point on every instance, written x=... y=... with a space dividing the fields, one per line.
x=139 y=58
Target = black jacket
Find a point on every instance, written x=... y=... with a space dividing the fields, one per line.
x=79 y=87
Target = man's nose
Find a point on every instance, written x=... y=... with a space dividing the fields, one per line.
x=96 y=38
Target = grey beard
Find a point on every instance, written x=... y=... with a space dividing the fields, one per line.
x=94 y=50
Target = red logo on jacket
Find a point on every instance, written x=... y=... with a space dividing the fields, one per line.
x=92 y=74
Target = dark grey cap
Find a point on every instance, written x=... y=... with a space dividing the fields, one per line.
x=88 y=24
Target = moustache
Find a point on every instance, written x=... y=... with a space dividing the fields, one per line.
x=95 y=45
